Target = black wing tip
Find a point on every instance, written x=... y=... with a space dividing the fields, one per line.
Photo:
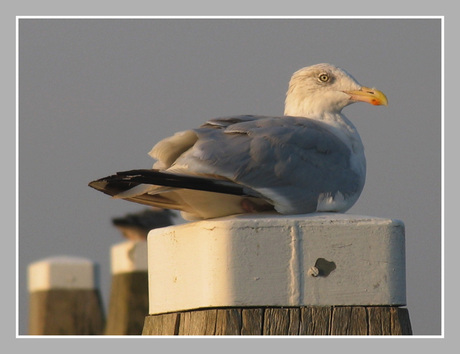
x=125 y=180
x=114 y=184
x=98 y=184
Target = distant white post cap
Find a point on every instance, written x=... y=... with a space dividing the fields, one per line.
x=129 y=256
x=316 y=259
x=62 y=272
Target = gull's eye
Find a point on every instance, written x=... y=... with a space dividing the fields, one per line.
x=324 y=78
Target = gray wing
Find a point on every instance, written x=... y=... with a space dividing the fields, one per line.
x=289 y=160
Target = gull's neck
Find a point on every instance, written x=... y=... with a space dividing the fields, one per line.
x=332 y=116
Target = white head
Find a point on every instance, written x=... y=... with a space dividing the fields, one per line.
x=319 y=90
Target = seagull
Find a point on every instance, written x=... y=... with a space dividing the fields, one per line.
x=309 y=160
x=136 y=226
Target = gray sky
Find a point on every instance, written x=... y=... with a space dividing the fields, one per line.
x=96 y=95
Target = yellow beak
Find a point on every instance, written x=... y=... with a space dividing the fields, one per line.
x=369 y=95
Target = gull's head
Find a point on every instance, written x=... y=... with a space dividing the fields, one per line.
x=322 y=89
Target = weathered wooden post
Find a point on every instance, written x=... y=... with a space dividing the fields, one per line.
x=64 y=298
x=128 y=303
x=318 y=274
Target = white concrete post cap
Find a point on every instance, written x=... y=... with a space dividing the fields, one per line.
x=63 y=272
x=316 y=259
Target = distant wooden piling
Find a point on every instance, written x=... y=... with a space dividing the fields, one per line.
x=128 y=304
x=319 y=274
x=63 y=298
